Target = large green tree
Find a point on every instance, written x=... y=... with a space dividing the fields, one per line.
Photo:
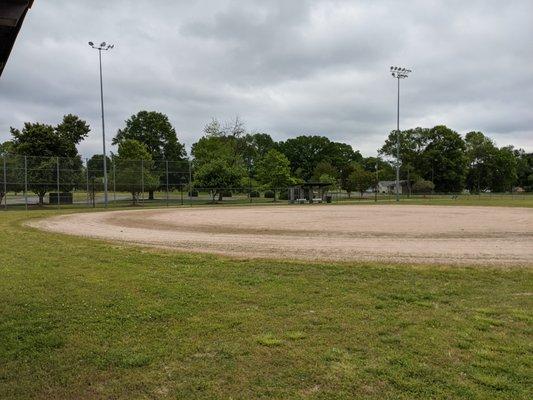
x=220 y=146
x=412 y=144
x=490 y=167
x=256 y=146
x=134 y=172
x=217 y=176
x=524 y=169
x=437 y=154
x=274 y=172
x=155 y=131
x=305 y=152
x=95 y=166
x=444 y=161
x=360 y=180
x=480 y=152
x=44 y=146
x=504 y=174
x=325 y=168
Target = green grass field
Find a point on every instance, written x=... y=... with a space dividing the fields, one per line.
x=83 y=319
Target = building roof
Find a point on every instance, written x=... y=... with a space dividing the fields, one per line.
x=12 y=13
x=316 y=184
x=391 y=183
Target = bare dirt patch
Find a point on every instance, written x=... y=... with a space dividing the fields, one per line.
x=389 y=233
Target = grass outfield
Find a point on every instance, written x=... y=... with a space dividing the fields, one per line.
x=87 y=319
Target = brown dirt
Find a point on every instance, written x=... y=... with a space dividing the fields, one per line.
x=388 y=233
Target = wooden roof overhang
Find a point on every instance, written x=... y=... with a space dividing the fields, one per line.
x=12 y=14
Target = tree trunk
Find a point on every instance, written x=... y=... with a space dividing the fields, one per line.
x=220 y=196
x=150 y=195
x=41 y=198
x=409 y=182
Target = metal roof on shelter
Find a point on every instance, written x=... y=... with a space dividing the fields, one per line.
x=12 y=13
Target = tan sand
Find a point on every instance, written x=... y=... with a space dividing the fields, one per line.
x=388 y=233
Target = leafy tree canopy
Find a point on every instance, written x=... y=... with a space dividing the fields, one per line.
x=274 y=170
x=155 y=131
x=224 y=143
x=305 y=152
x=360 y=180
x=43 y=140
x=95 y=166
x=47 y=146
x=134 y=168
x=6 y=148
x=217 y=176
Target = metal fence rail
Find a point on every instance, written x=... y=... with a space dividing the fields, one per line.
x=36 y=182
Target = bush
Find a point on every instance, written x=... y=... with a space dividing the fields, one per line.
x=254 y=193
x=194 y=193
x=283 y=195
x=423 y=186
x=269 y=194
x=226 y=193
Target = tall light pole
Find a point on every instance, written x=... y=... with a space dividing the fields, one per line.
x=103 y=46
x=398 y=73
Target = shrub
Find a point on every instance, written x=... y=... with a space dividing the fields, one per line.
x=283 y=195
x=422 y=186
x=194 y=193
x=269 y=194
x=254 y=193
x=226 y=193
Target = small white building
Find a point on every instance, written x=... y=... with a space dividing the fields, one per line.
x=389 y=187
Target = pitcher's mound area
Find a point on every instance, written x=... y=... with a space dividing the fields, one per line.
x=389 y=233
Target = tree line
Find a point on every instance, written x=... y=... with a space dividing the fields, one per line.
x=228 y=156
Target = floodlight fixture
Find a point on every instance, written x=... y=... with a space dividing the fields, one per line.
x=400 y=72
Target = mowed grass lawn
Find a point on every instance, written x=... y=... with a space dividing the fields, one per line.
x=82 y=319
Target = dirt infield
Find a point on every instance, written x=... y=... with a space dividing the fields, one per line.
x=389 y=233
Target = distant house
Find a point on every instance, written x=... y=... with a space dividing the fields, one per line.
x=389 y=187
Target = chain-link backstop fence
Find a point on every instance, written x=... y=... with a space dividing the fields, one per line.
x=37 y=182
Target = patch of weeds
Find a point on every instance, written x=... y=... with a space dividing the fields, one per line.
x=268 y=340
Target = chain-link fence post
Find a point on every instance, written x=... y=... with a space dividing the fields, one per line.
x=114 y=182
x=142 y=182
x=58 y=198
x=5 y=182
x=190 y=183
x=26 y=182
x=166 y=175
x=87 y=181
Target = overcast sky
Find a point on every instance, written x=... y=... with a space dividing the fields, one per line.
x=285 y=67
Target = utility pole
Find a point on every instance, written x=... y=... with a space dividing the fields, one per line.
x=103 y=46
x=398 y=73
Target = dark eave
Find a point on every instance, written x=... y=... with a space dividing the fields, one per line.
x=12 y=13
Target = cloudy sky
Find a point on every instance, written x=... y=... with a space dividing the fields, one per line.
x=285 y=67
